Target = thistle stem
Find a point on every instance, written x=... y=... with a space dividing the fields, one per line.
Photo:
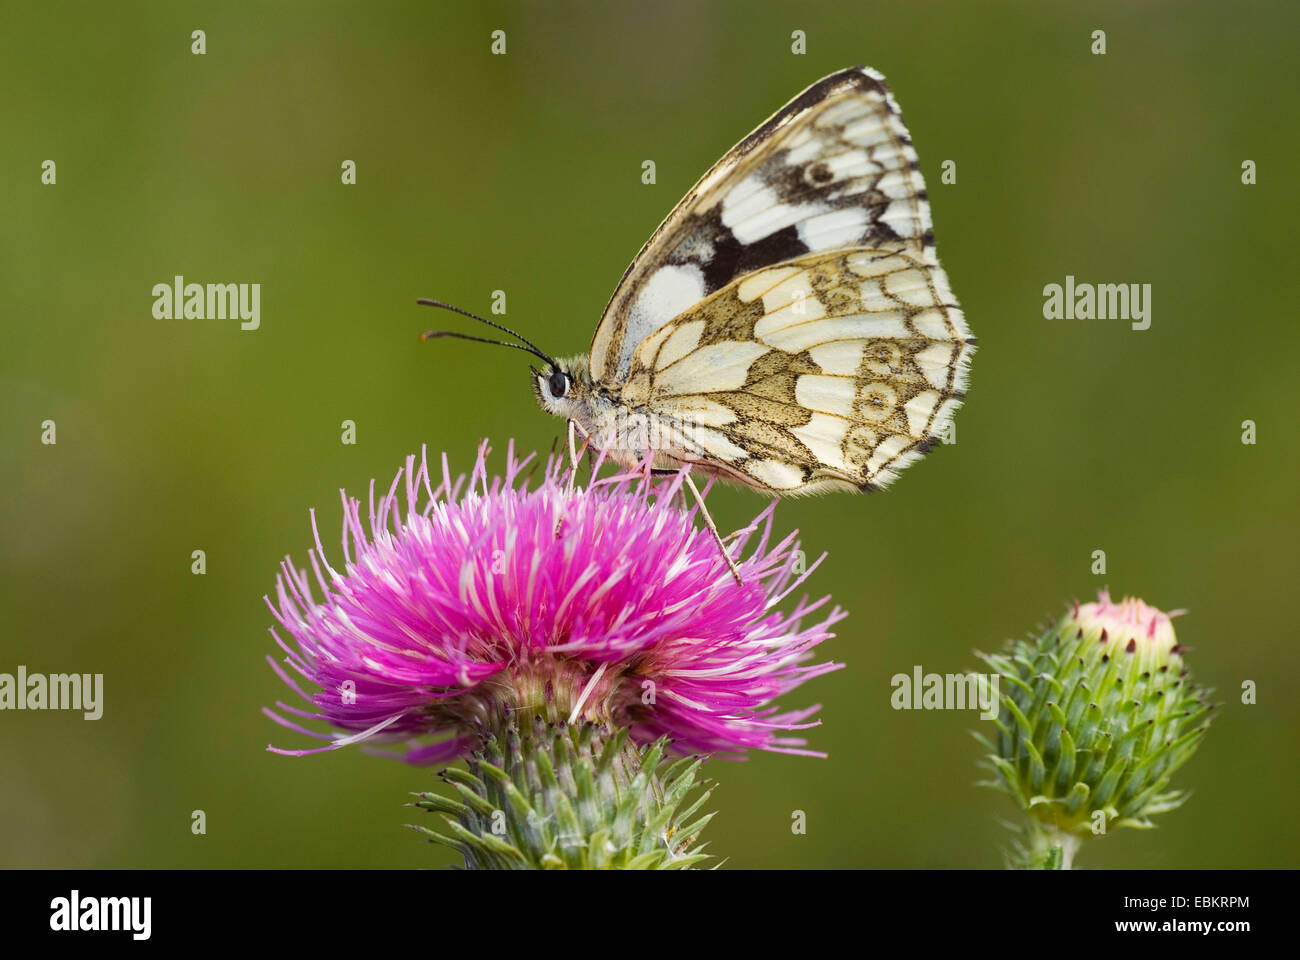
x=1049 y=848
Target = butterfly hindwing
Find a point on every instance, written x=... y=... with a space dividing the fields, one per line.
x=833 y=169
x=828 y=371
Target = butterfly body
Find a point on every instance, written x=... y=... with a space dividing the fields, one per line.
x=621 y=427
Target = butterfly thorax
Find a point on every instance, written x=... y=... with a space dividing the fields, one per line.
x=625 y=432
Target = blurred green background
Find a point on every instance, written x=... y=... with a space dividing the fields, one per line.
x=522 y=173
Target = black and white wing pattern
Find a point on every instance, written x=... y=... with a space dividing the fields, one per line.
x=789 y=324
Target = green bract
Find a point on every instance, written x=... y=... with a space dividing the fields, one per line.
x=559 y=796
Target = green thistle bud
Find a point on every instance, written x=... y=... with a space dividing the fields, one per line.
x=1097 y=714
x=556 y=796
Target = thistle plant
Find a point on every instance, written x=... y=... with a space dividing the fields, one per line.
x=581 y=649
x=1097 y=714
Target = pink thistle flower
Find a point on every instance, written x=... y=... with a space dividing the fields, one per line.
x=465 y=604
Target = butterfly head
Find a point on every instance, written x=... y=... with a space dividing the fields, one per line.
x=565 y=389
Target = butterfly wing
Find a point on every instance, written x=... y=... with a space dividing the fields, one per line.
x=832 y=169
x=826 y=372
x=788 y=324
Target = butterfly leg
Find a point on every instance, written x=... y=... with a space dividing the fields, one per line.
x=573 y=454
x=713 y=528
x=573 y=466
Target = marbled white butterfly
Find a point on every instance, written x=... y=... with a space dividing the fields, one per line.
x=788 y=326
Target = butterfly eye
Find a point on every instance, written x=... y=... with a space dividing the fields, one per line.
x=559 y=383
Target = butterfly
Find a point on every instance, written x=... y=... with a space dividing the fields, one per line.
x=788 y=326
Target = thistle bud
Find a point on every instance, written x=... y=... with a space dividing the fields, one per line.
x=1097 y=714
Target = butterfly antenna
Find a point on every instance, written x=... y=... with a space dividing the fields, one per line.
x=435 y=334
x=529 y=345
